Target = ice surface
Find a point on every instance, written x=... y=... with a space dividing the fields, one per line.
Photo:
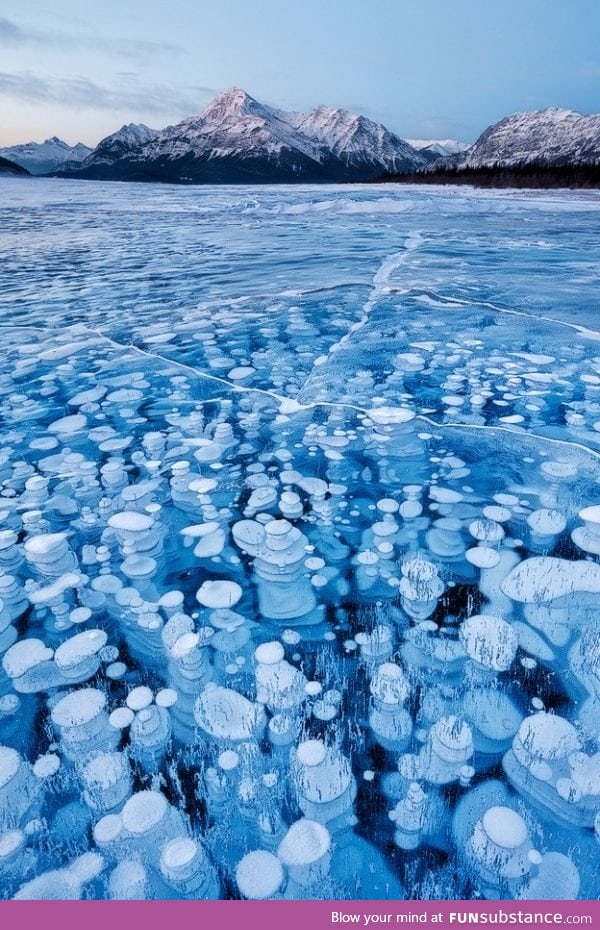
x=299 y=529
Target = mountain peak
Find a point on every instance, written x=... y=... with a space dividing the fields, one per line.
x=230 y=103
x=131 y=133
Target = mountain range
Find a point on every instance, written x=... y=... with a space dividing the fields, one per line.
x=432 y=149
x=45 y=157
x=545 y=138
x=237 y=139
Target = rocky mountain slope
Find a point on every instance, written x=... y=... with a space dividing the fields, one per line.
x=118 y=145
x=546 y=138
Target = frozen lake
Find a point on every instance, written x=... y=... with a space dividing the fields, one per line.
x=299 y=581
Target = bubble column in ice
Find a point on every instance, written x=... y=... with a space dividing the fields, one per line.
x=182 y=495
x=34 y=523
x=396 y=446
x=135 y=532
x=259 y=876
x=107 y=781
x=449 y=748
x=11 y=556
x=13 y=597
x=82 y=723
x=420 y=588
x=408 y=817
x=446 y=544
x=587 y=537
x=325 y=786
x=375 y=559
x=19 y=788
x=149 y=730
x=142 y=830
x=305 y=853
x=50 y=555
x=556 y=492
x=30 y=666
x=228 y=717
x=113 y=476
x=492 y=556
x=376 y=646
x=53 y=602
x=129 y=881
x=279 y=685
x=188 y=671
x=186 y=868
x=142 y=626
x=545 y=526
x=279 y=552
x=78 y=658
x=491 y=645
x=388 y=718
x=548 y=765
x=500 y=851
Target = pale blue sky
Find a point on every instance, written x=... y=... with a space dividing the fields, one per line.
x=426 y=68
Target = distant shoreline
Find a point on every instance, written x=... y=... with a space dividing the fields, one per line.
x=486 y=178
x=536 y=177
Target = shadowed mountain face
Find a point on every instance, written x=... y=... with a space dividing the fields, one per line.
x=236 y=139
x=9 y=167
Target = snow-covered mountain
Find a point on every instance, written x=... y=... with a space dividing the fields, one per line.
x=356 y=140
x=44 y=157
x=11 y=167
x=548 y=138
x=119 y=145
x=433 y=149
x=238 y=139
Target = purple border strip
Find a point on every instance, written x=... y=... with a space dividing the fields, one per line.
x=295 y=915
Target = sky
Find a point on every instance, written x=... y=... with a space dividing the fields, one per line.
x=427 y=69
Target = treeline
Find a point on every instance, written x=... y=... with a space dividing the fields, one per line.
x=533 y=176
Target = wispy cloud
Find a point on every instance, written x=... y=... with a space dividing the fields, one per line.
x=11 y=33
x=81 y=93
